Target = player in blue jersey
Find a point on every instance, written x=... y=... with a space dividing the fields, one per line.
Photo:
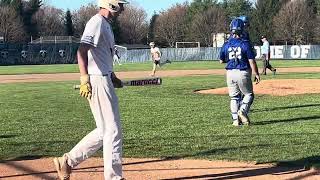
x=240 y=59
x=245 y=37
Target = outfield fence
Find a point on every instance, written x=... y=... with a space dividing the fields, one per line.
x=22 y=54
x=65 y=53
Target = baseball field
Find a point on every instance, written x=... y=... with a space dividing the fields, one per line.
x=170 y=131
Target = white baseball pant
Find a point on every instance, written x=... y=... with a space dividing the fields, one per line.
x=105 y=109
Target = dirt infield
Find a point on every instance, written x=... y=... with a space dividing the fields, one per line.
x=279 y=87
x=133 y=74
x=121 y=75
x=146 y=169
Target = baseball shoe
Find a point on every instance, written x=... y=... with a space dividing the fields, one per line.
x=244 y=117
x=236 y=123
x=62 y=167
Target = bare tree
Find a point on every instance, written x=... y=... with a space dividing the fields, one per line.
x=171 y=25
x=133 y=25
x=293 y=22
x=11 y=26
x=205 y=24
x=82 y=16
x=50 y=21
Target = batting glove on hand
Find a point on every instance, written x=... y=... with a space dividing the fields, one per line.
x=117 y=83
x=85 y=87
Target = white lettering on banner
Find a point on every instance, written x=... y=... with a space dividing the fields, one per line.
x=278 y=52
x=305 y=51
x=272 y=52
x=295 y=52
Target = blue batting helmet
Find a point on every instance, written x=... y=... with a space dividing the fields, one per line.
x=245 y=20
x=236 y=26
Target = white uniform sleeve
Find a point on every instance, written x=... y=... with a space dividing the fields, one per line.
x=92 y=32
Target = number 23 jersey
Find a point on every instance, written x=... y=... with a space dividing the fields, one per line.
x=236 y=53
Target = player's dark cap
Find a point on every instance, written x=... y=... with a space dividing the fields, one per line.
x=262 y=37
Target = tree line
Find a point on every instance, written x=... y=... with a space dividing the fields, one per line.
x=282 y=21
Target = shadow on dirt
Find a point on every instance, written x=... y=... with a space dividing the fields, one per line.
x=281 y=168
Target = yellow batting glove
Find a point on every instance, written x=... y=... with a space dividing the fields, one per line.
x=85 y=87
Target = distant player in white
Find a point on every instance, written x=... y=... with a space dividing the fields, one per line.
x=155 y=56
x=95 y=59
x=116 y=56
x=265 y=51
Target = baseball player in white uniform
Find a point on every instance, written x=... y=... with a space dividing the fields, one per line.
x=95 y=59
x=265 y=51
x=156 y=56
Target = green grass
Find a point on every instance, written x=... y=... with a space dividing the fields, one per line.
x=39 y=69
x=190 y=65
x=47 y=119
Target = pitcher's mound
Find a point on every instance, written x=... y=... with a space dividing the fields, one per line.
x=279 y=87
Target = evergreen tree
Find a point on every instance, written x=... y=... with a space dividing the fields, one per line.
x=116 y=30
x=199 y=6
x=236 y=8
x=30 y=26
x=152 y=26
x=5 y=2
x=68 y=24
x=34 y=5
x=262 y=19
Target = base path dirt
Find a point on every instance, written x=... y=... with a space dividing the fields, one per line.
x=134 y=74
x=149 y=169
x=121 y=75
x=278 y=87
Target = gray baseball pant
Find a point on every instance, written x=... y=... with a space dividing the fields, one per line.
x=240 y=82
